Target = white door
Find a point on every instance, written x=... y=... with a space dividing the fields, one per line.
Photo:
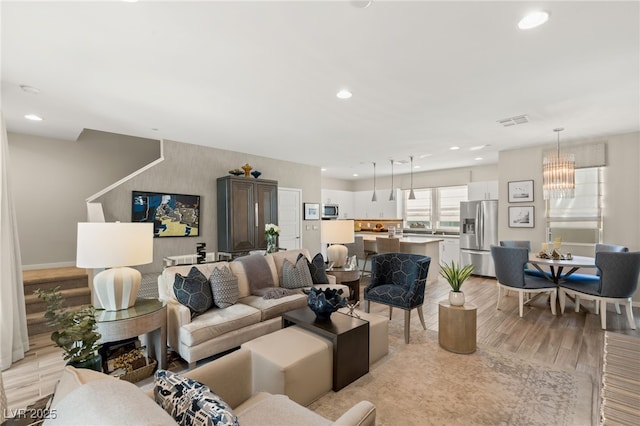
x=289 y=218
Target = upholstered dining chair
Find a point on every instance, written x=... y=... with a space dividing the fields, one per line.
x=398 y=280
x=509 y=263
x=618 y=274
x=387 y=245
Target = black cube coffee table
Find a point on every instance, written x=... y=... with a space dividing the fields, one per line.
x=350 y=338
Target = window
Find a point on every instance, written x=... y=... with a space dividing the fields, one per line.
x=435 y=209
x=578 y=220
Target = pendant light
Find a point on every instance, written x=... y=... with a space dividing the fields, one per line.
x=374 y=197
x=558 y=173
x=391 y=195
x=412 y=196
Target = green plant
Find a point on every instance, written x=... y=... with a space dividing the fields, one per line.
x=455 y=274
x=75 y=332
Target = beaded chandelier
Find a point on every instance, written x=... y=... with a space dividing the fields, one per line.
x=558 y=173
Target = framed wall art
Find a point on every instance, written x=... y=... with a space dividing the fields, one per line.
x=521 y=217
x=311 y=211
x=521 y=191
x=172 y=215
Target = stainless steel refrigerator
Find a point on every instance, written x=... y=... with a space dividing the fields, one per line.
x=478 y=231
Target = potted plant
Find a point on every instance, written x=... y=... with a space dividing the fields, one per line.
x=75 y=332
x=455 y=276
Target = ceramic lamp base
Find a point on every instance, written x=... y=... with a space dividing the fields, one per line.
x=117 y=288
x=337 y=253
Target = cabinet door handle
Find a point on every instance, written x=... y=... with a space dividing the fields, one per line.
x=255 y=213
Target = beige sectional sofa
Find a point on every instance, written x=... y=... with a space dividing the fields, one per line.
x=221 y=329
x=86 y=397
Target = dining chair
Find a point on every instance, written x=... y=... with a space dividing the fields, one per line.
x=509 y=263
x=398 y=280
x=387 y=245
x=522 y=244
x=617 y=282
x=356 y=248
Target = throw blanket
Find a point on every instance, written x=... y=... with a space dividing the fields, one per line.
x=258 y=272
x=274 y=292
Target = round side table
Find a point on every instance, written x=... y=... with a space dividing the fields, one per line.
x=457 y=327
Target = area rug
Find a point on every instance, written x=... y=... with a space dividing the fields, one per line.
x=620 y=380
x=423 y=384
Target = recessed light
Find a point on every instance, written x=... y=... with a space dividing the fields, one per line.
x=425 y=155
x=476 y=148
x=344 y=94
x=30 y=89
x=33 y=117
x=360 y=4
x=533 y=19
x=454 y=148
x=355 y=175
x=323 y=169
x=478 y=158
x=417 y=167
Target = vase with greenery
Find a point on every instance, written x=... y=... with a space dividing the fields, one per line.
x=271 y=233
x=456 y=275
x=75 y=331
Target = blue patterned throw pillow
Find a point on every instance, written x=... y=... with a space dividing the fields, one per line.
x=193 y=291
x=190 y=402
x=318 y=269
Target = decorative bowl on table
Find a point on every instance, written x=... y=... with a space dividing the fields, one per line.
x=236 y=172
x=256 y=174
x=325 y=302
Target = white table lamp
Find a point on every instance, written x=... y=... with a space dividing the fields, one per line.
x=116 y=246
x=336 y=233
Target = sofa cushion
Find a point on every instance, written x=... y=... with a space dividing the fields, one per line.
x=296 y=275
x=108 y=402
x=193 y=291
x=272 y=308
x=318 y=270
x=291 y=255
x=267 y=409
x=190 y=402
x=216 y=322
x=168 y=276
x=224 y=286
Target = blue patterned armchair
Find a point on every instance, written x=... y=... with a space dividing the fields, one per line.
x=398 y=280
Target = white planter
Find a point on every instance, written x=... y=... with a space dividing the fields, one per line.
x=456 y=298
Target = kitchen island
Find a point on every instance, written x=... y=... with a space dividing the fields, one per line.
x=427 y=246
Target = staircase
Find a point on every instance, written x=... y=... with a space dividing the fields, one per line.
x=74 y=286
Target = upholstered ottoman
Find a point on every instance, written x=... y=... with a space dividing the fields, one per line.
x=292 y=362
x=378 y=334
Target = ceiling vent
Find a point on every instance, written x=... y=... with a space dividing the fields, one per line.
x=512 y=121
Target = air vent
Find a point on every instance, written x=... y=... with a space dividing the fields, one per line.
x=512 y=121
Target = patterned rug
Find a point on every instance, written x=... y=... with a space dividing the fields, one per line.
x=423 y=384
x=621 y=380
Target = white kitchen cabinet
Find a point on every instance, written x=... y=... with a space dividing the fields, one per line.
x=486 y=190
x=381 y=209
x=450 y=250
x=344 y=200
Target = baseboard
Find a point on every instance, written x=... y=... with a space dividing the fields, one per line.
x=48 y=266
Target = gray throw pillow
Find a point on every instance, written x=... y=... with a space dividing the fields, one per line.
x=298 y=275
x=318 y=270
x=193 y=291
x=224 y=286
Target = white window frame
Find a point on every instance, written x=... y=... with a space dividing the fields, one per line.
x=436 y=207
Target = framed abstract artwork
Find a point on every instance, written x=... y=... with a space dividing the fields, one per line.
x=311 y=211
x=172 y=215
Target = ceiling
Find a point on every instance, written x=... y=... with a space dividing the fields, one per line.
x=262 y=77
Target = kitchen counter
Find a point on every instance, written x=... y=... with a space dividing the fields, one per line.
x=415 y=244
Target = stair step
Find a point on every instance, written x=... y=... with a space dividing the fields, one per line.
x=37 y=324
x=70 y=277
x=72 y=297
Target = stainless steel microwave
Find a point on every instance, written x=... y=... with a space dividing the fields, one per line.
x=330 y=211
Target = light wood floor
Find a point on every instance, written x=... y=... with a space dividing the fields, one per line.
x=573 y=341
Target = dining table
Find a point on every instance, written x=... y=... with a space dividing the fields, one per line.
x=557 y=266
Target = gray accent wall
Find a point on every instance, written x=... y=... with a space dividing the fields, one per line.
x=193 y=169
